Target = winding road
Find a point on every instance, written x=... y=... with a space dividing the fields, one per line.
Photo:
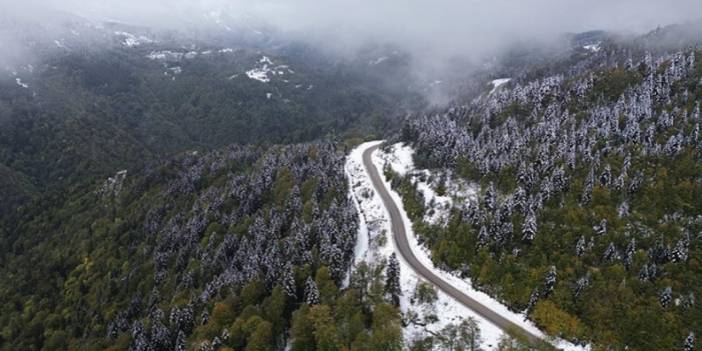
x=401 y=240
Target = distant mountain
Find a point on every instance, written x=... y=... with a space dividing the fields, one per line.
x=91 y=98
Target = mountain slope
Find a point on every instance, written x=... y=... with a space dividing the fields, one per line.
x=589 y=184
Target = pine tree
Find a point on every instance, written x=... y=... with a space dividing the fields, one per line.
x=392 y=280
x=606 y=176
x=601 y=229
x=529 y=227
x=533 y=299
x=666 y=296
x=611 y=253
x=550 y=281
x=489 y=200
x=289 y=281
x=580 y=246
x=581 y=284
x=680 y=252
x=181 y=342
x=630 y=251
x=586 y=196
x=689 y=344
x=311 y=292
x=483 y=237
x=644 y=274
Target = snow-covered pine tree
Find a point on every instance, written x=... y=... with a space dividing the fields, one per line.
x=489 y=200
x=533 y=299
x=181 y=342
x=529 y=227
x=311 y=292
x=601 y=229
x=289 y=281
x=689 y=344
x=581 y=284
x=392 y=280
x=666 y=296
x=580 y=246
x=550 y=281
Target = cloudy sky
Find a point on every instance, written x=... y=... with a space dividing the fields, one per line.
x=442 y=26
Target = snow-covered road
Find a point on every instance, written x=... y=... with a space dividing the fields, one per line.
x=381 y=212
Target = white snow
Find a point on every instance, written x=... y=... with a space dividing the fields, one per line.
x=498 y=83
x=176 y=70
x=131 y=40
x=374 y=223
x=258 y=74
x=265 y=70
x=59 y=44
x=400 y=159
x=19 y=82
x=269 y=96
x=226 y=51
x=593 y=47
x=165 y=55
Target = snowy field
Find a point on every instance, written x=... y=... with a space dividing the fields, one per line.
x=375 y=224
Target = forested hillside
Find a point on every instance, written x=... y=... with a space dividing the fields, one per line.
x=182 y=186
x=590 y=180
x=203 y=251
x=82 y=109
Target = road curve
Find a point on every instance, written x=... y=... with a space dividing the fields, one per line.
x=401 y=240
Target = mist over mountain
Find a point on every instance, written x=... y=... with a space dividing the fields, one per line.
x=350 y=175
x=433 y=33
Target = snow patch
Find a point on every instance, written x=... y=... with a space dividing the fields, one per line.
x=266 y=70
x=498 y=83
x=165 y=55
x=593 y=47
x=19 y=82
x=131 y=40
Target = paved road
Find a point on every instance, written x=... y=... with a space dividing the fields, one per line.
x=400 y=236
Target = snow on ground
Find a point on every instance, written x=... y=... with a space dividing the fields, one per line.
x=176 y=56
x=266 y=69
x=19 y=82
x=400 y=158
x=131 y=40
x=165 y=55
x=592 y=47
x=258 y=74
x=375 y=224
x=498 y=83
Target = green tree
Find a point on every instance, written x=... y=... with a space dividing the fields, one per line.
x=386 y=329
x=325 y=332
x=302 y=330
